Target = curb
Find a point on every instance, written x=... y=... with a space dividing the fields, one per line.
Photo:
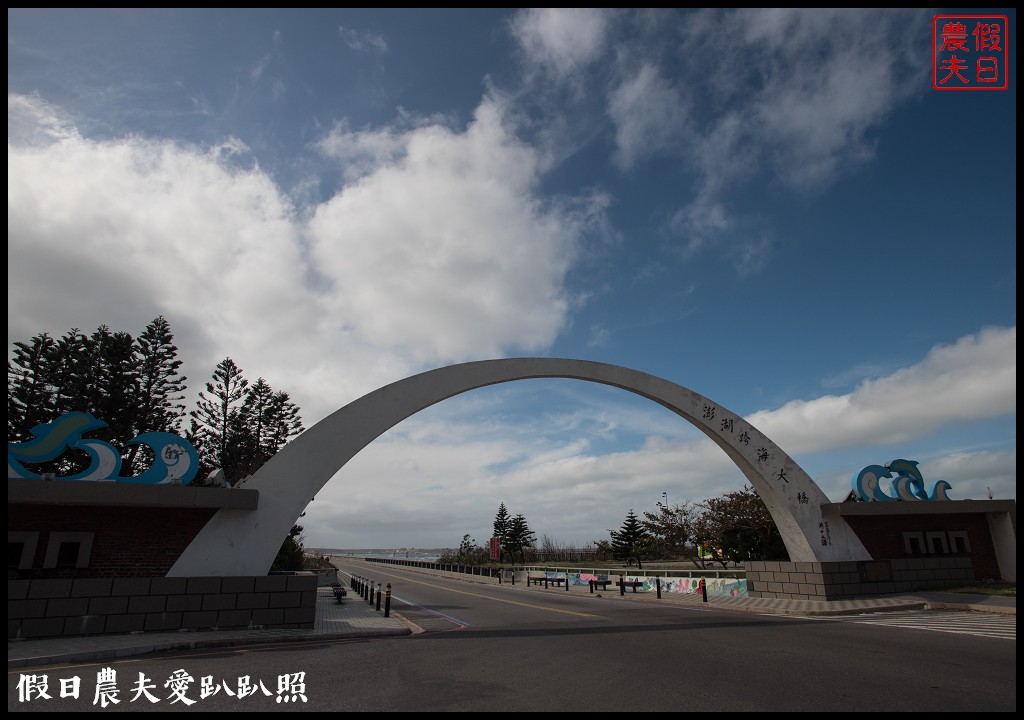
x=83 y=656
x=973 y=607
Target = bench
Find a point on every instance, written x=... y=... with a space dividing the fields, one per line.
x=623 y=584
x=545 y=580
x=603 y=584
x=339 y=593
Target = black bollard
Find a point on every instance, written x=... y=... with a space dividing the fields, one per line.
x=378 y=597
x=567 y=581
x=658 y=580
x=622 y=584
x=370 y=599
x=703 y=590
x=387 y=602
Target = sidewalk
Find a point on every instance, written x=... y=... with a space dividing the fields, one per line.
x=354 y=618
x=880 y=603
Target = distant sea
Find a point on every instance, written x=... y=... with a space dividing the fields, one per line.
x=427 y=554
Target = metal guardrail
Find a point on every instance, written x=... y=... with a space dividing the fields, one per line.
x=736 y=572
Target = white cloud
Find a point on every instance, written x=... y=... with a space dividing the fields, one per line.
x=974 y=378
x=843 y=74
x=32 y=122
x=784 y=98
x=702 y=220
x=465 y=259
x=649 y=116
x=259 y=68
x=561 y=40
x=599 y=335
x=439 y=250
x=361 y=153
x=120 y=232
x=972 y=475
x=402 y=492
x=752 y=255
x=790 y=96
x=363 y=40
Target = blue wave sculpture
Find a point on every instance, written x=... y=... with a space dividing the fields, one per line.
x=867 y=483
x=908 y=483
x=176 y=460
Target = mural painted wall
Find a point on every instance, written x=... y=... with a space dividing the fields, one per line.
x=734 y=587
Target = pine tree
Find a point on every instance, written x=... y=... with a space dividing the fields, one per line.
x=266 y=421
x=237 y=426
x=29 y=391
x=256 y=411
x=161 y=389
x=118 y=392
x=249 y=434
x=216 y=417
x=519 y=537
x=96 y=374
x=502 y=524
x=65 y=371
x=89 y=375
x=286 y=422
x=628 y=542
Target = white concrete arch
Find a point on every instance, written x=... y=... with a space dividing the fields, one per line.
x=237 y=542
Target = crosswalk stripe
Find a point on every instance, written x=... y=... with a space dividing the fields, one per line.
x=963 y=623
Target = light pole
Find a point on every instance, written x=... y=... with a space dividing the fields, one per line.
x=665 y=495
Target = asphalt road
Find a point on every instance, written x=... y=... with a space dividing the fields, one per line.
x=492 y=648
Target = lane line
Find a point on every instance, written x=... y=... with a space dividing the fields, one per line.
x=462 y=625
x=488 y=597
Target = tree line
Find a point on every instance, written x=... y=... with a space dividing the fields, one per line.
x=513 y=535
x=734 y=527
x=134 y=385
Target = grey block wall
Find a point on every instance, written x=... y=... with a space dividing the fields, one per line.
x=838 y=580
x=97 y=606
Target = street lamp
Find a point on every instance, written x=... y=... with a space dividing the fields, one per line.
x=665 y=495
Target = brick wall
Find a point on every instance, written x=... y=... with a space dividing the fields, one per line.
x=127 y=541
x=882 y=536
x=837 y=580
x=95 y=606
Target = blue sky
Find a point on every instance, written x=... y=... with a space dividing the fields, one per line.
x=771 y=207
